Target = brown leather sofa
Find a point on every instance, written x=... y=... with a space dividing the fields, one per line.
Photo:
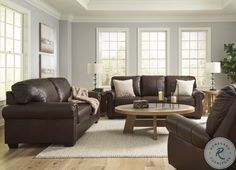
x=146 y=87
x=187 y=139
x=38 y=111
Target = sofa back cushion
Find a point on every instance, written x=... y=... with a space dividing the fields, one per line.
x=63 y=88
x=170 y=83
x=35 y=90
x=150 y=85
x=136 y=83
x=221 y=107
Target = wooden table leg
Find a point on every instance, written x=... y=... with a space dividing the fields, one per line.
x=129 y=124
x=155 y=127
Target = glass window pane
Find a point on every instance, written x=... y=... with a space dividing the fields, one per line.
x=193 y=35
x=202 y=45
x=2 y=12
x=9 y=31
x=185 y=54
x=161 y=54
x=8 y=86
x=113 y=46
x=113 y=36
x=185 y=63
x=17 y=33
x=9 y=16
x=145 y=36
x=17 y=46
x=153 y=45
x=10 y=60
x=161 y=36
x=153 y=63
x=2 y=29
x=161 y=72
x=2 y=90
x=185 y=45
x=2 y=75
x=161 y=45
x=121 y=55
x=145 y=45
x=113 y=54
x=121 y=45
x=185 y=71
x=10 y=74
x=202 y=35
x=18 y=19
x=161 y=64
x=9 y=45
x=121 y=36
x=17 y=61
x=193 y=45
x=104 y=36
x=2 y=60
x=153 y=36
x=105 y=55
x=193 y=54
x=2 y=44
x=121 y=63
x=145 y=63
x=145 y=54
x=185 y=36
x=193 y=63
x=105 y=46
x=17 y=75
x=153 y=54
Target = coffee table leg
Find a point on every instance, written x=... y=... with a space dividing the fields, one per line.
x=154 y=127
x=129 y=124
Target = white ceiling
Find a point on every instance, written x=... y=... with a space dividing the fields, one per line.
x=135 y=10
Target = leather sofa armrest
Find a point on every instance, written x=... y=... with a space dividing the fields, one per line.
x=110 y=95
x=40 y=110
x=198 y=94
x=187 y=130
x=96 y=95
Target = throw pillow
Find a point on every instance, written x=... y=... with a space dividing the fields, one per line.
x=124 y=88
x=185 y=87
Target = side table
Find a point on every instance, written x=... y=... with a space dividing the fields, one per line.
x=209 y=100
x=103 y=102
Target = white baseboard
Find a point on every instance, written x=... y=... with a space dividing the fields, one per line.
x=2 y=122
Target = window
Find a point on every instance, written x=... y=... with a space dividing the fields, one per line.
x=112 y=52
x=195 y=53
x=11 y=55
x=153 y=51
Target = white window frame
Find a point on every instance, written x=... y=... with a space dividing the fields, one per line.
x=26 y=37
x=208 y=44
x=161 y=29
x=97 y=58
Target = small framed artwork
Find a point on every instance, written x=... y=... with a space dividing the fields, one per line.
x=47 y=65
x=46 y=39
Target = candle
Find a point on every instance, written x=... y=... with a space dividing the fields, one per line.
x=160 y=95
x=173 y=99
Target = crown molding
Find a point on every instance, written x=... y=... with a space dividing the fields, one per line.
x=45 y=8
x=156 y=18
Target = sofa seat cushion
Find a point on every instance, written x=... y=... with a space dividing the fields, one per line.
x=125 y=100
x=188 y=100
x=84 y=112
x=150 y=99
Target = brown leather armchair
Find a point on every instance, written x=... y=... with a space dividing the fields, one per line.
x=38 y=111
x=187 y=139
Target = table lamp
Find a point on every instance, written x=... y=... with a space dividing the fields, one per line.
x=94 y=68
x=213 y=68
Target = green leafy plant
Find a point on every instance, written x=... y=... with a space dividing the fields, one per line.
x=228 y=64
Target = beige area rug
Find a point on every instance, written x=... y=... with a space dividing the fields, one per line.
x=106 y=139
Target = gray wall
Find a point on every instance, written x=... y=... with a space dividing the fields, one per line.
x=84 y=46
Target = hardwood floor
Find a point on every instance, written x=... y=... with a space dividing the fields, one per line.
x=23 y=159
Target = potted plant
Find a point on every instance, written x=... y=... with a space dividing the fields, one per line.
x=229 y=62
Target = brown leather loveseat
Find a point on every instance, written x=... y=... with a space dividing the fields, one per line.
x=38 y=111
x=146 y=87
x=187 y=139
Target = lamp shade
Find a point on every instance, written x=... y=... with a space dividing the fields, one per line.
x=94 y=68
x=213 y=67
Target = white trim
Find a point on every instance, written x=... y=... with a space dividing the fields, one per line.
x=167 y=30
x=110 y=29
x=45 y=8
x=156 y=18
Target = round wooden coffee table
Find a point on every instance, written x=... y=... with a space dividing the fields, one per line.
x=154 y=110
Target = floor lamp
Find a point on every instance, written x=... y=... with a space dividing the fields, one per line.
x=94 y=68
x=213 y=68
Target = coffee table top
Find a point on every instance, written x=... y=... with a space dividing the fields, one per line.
x=155 y=109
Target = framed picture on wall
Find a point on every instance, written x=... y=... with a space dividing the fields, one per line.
x=46 y=39
x=47 y=66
